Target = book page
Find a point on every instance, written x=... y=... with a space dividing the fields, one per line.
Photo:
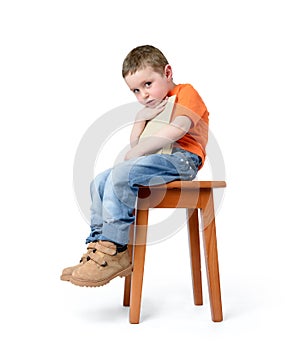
x=157 y=123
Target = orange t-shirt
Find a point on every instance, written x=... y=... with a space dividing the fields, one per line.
x=189 y=103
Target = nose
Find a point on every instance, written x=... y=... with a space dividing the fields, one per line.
x=144 y=94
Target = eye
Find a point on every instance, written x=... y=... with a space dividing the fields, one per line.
x=148 y=84
x=135 y=91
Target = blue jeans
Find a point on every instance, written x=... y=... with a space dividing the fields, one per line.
x=114 y=191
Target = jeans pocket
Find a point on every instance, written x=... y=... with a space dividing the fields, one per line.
x=187 y=168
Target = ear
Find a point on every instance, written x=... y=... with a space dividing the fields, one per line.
x=168 y=72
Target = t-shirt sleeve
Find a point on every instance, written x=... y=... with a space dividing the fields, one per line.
x=190 y=104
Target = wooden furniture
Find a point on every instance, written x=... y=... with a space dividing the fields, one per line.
x=192 y=195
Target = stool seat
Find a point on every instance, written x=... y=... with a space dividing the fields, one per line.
x=193 y=196
x=188 y=185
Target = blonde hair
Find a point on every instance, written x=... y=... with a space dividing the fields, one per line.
x=143 y=56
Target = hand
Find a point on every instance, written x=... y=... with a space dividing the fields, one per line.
x=148 y=113
x=133 y=153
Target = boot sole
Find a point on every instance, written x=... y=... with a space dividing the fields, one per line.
x=91 y=283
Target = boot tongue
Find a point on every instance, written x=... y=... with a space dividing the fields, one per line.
x=106 y=247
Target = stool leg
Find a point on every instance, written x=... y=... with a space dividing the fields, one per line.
x=211 y=255
x=138 y=265
x=194 y=242
x=127 y=283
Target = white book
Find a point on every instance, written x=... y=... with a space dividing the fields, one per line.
x=158 y=122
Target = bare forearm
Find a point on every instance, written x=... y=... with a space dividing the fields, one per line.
x=169 y=134
x=141 y=118
x=148 y=145
x=136 y=131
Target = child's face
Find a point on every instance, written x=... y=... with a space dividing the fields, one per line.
x=150 y=87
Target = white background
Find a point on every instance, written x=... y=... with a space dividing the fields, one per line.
x=60 y=69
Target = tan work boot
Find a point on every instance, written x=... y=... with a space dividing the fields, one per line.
x=67 y=272
x=102 y=266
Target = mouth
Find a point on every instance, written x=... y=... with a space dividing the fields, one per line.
x=150 y=103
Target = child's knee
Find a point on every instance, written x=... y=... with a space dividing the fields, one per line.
x=99 y=180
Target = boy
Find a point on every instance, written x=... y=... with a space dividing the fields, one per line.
x=149 y=76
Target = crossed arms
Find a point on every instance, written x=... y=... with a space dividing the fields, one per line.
x=170 y=133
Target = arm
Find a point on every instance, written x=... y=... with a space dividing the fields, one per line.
x=169 y=134
x=142 y=117
x=136 y=131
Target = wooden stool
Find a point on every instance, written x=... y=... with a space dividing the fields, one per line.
x=192 y=195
